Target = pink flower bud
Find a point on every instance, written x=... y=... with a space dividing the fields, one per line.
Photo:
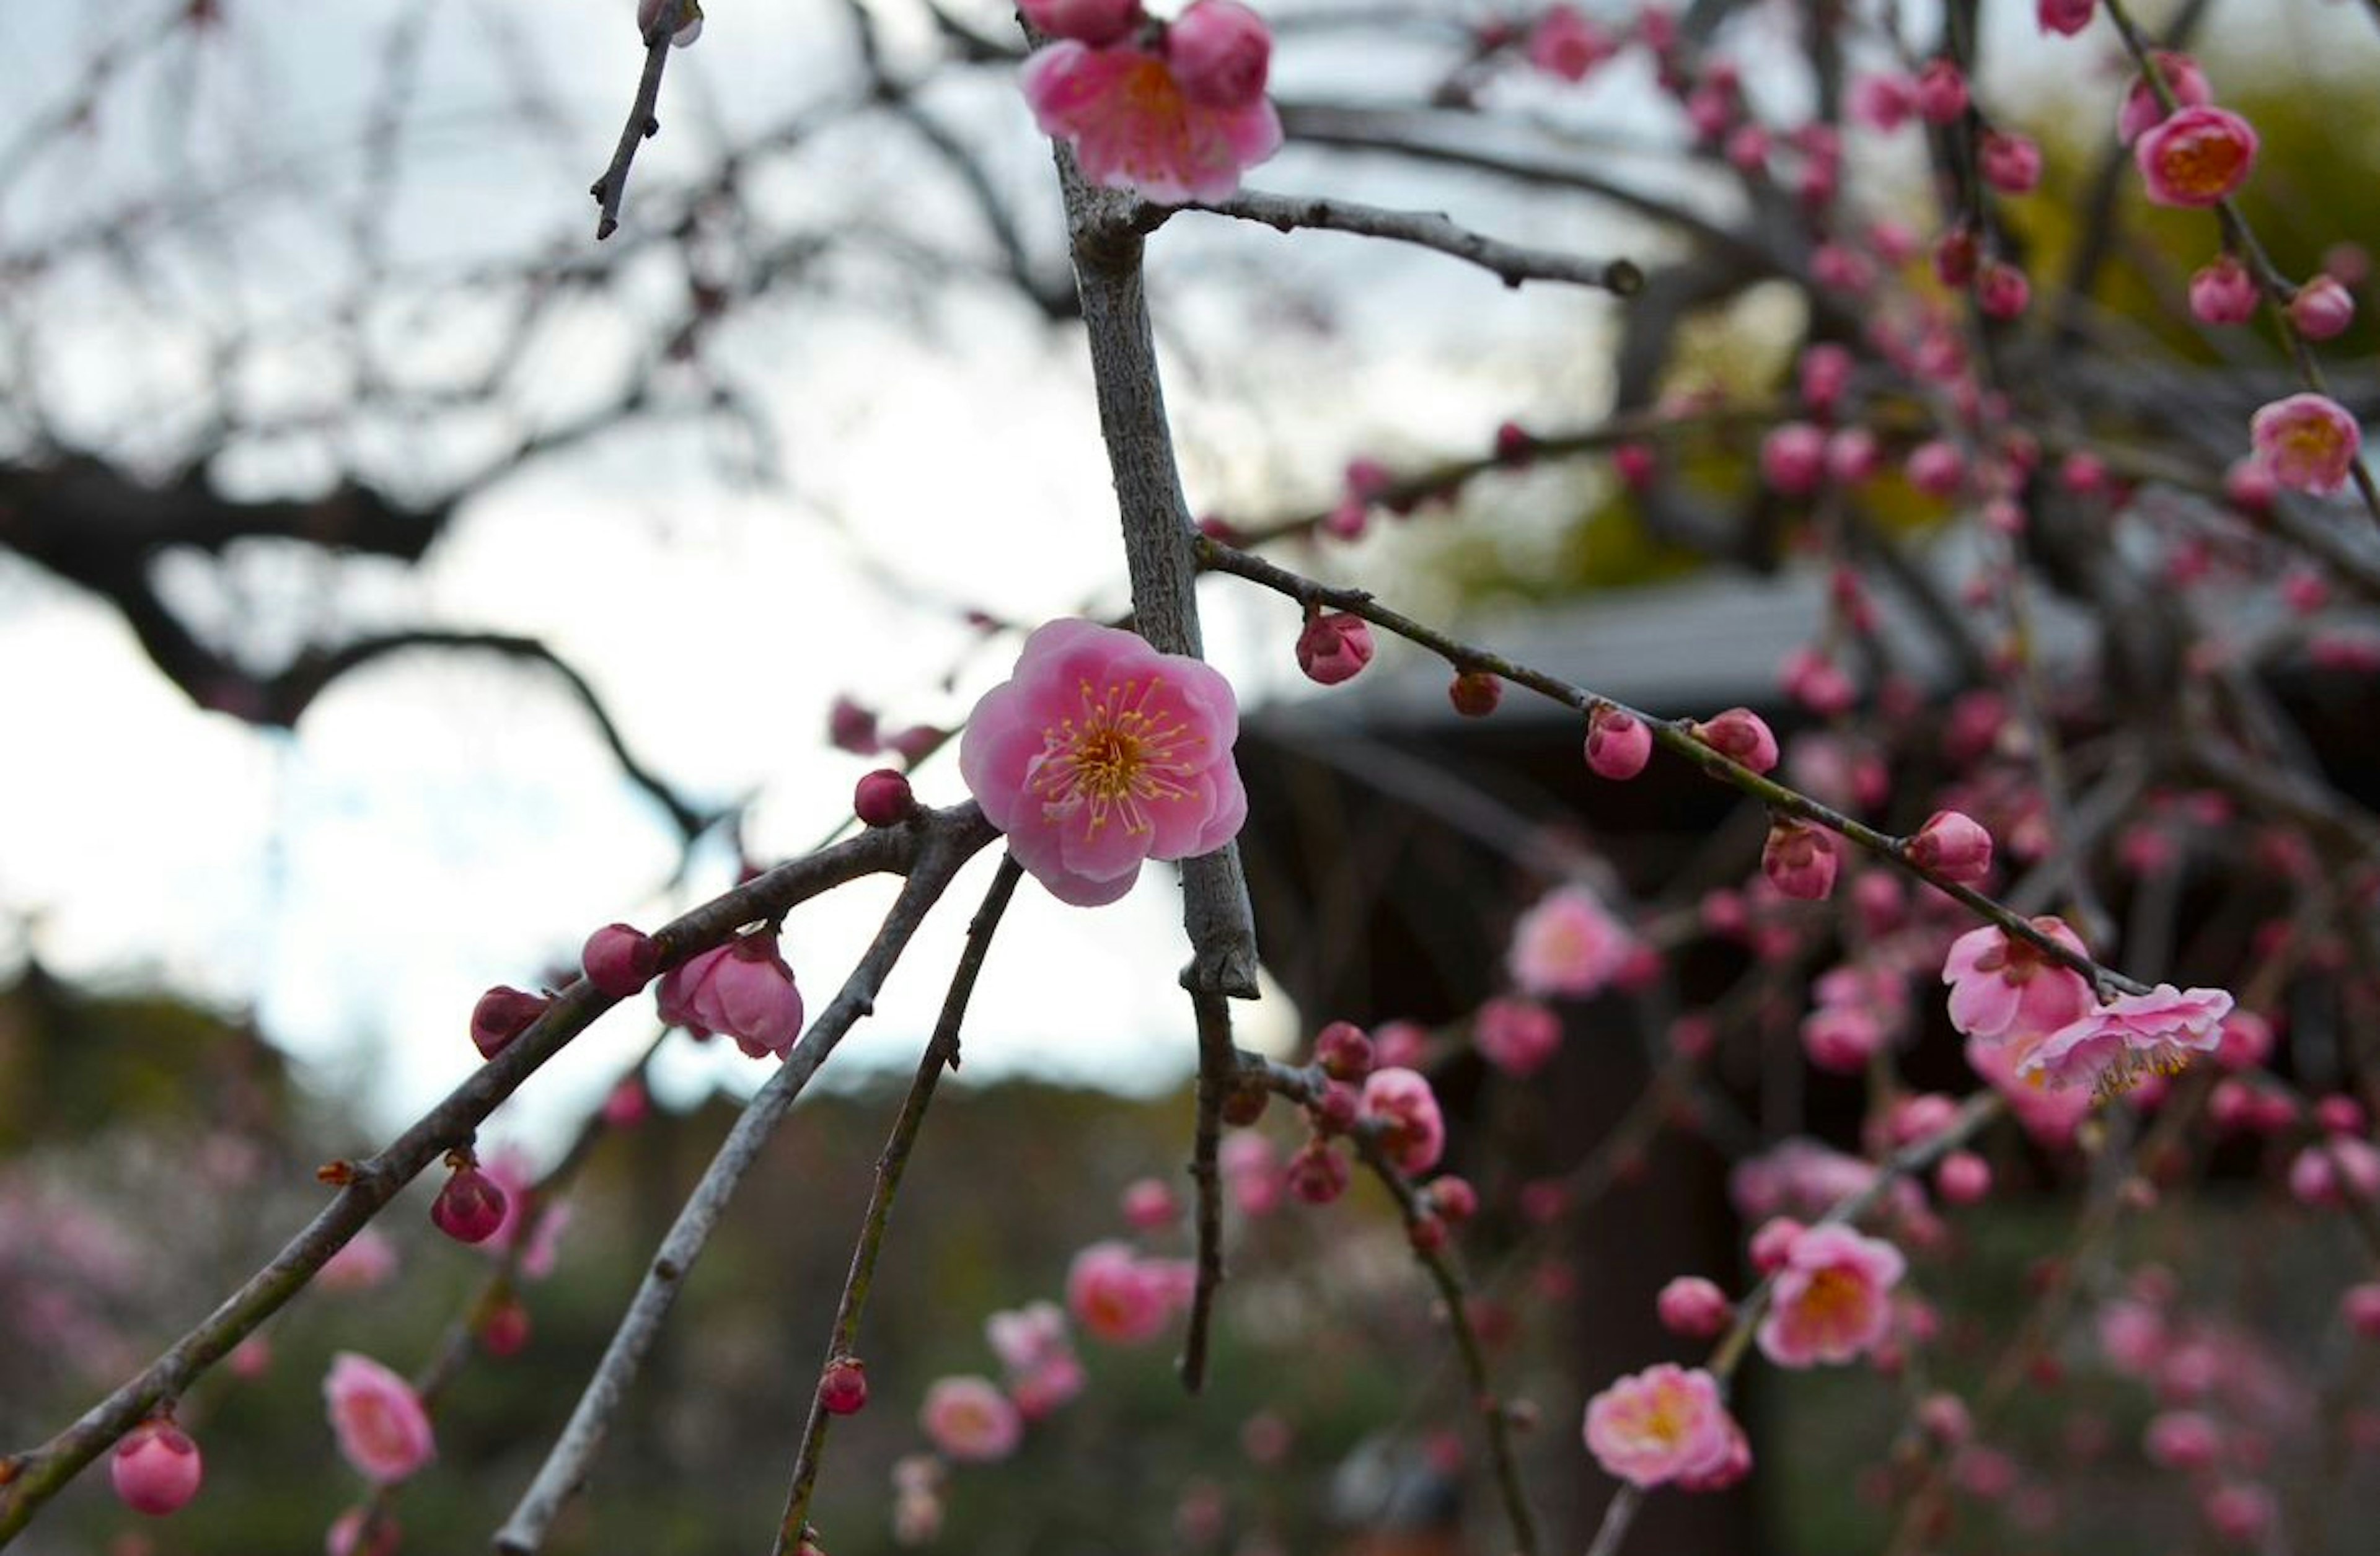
x=1617 y=744
x=1636 y=464
x=843 y=1387
x=1740 y=735
x=1343 y=1052
x=1453 y=1199
x=1883 y=102
x=382 y=1430
x=882 y=798
x=1825 y=372
x=2223 y=292
x=1426 y=1234
x=1853 y=457
x=655 y=13
x=2010 y=164
x=1800 y=860
x=471 y=1208
x=1334 y=648
x=1334 y=1113
x=1693 y=1309
x=1317 y=1173
x=1476 y=693
x=1096 y=22
x=2183 y=1439
x=851 y=728
x=2239 y=1513
x=1963 y=1178
x=1936 y=469
x=1941 y=92
x=1221 y=52
x=1773 y=1243
x=2001 y=291
x=155 y=1469
x=619 y=960
x=2360 y=1306
x=1952 y=846
x=2065 y=17
x=1793 y=458
x=1517 y=1036
x=1515 y=446
x=2197 y=158
x=743 y=989
x=502 y=1015
x=1956 y=254
x=2322 y=308
x=2249 y=485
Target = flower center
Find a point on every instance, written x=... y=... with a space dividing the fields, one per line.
x=1113 y=758
x=2208 y=163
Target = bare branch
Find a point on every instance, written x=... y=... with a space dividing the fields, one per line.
x=1509 y=263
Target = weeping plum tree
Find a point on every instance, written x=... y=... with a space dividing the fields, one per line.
x=2087 y=379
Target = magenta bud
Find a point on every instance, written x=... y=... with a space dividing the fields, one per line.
x=502 y=1015
x=1334 y=648
x=1618 y=743
x=1963 y=1178
x=1694 y=1307
x=843 y=1387
x=2322 y=308
x=619 y=960
x=471 y=1208
x=1453 y=1199
x=1427 y=1234
x=1514 y=446
x=504 y=1331
x=884 y=799
x=1334 y=1112
x=1343 y=1052
x=1952 y=846
x=1475 y=694
x=156 y=1468
x=1800 y=860
x=2361 y=1307
x=1315 y=1174
x=1220 y=53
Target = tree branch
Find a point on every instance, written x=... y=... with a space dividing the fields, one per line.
x=1509 y=263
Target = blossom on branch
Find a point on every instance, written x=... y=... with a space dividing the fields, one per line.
x=2133 y=1036
x=2307 y=443
x=1832 y=1301
x=1179 y=123
x=1101 y=752
x=383 y=1429
x=1664 y=1424
x=743 y=989
x=970 y=1420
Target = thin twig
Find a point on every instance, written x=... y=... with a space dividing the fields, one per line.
x=942 y=1053
x=940 y=853
x=1673 y=736
x=31 y=1478
x=611 y=188
x=1509 y=263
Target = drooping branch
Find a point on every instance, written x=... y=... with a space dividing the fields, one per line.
x=944 y=841
x=1511 y=263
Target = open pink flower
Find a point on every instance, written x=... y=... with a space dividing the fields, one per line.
x=1833 y=1298
x=1413 y=1130
x=743 y=989
x=1568 y=943
x=383 y=1429
x=2308 y=441
x=2111 y=1048
x=1664 y=1424
x=2198 y=157
x=1117 y=1295
x=1133 y=126
x=2004 y=989
x=1101 y=752
x=2050 y=1117
x=970 y=1420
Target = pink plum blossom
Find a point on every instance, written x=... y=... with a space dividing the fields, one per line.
x=382 y=1430
x=1403 y=1108
x=1564 y=43
x=1101 y=752
x=2307 y=443
x=2112 y=1047
x=1134 y=124
x=1661 y=1425
x=1117 y=1295
x=1333 y=648
x=970 y=1420
x=2198 y=157
x=2004 y=989
x=1832 y=1298
x=1516 y=1036
x=1568 y=943
x=743 y=989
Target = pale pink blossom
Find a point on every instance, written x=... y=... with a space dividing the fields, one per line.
x=970 y=1420
x=2111 y=1048
x=1133 y=126
x=382 y=1430
x=1661 y=1425
x=743 y=989
x=2307 y=442
x=1832 y=1300
x=1516 y=1036
x=1117 y=1295
x=2007 y=989
x=1568 y=943
x=1101 y=752
x=1401 y=1105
